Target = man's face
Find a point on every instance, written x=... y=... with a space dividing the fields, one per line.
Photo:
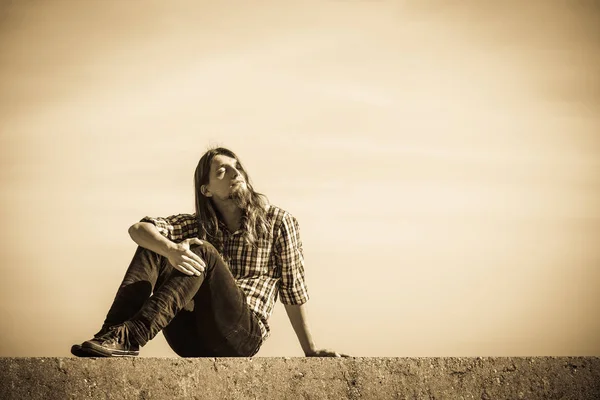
x=225 y=180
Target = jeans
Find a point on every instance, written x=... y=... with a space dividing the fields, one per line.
x=200 y=316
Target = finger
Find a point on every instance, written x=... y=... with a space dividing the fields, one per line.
x=193 y=242
x=199 y=265
x=331 y=353
x=191 y=268
x=190 y=254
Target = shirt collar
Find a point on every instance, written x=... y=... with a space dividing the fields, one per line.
x=243 y=226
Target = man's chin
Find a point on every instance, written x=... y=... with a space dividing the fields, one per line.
x=240 y=195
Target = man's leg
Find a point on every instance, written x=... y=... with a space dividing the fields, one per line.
x=233 y=328
x=183 y=336
x=145 y=270
x=221 y=324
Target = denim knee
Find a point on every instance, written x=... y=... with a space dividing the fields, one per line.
x=207 y=252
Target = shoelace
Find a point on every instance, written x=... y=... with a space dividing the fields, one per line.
x=118 y=334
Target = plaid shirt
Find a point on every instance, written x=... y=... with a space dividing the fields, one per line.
x=275 y=267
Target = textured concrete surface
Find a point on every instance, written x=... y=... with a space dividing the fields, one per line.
x=300 y=378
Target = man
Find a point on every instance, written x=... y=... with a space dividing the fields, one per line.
x=209 y=281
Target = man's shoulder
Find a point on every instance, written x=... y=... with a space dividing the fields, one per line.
x=279 y=216
x=172 y=219
x=183 y=218
x=276 y=212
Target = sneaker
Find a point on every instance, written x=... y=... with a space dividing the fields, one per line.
x=114 y=343
x=79 y=351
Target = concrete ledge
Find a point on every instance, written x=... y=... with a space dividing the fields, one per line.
x=300 y=378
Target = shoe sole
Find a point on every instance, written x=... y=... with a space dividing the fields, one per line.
x=79 y=351
x=99 y=351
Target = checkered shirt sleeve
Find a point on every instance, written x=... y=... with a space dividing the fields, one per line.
x=292 y=289
x=175 y=227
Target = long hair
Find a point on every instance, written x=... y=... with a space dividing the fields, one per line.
x=207 y=215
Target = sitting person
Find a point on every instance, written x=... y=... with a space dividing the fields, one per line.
x=209 y=281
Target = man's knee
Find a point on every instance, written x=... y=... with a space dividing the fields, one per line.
x=206 y=250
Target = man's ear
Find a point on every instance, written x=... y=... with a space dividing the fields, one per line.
x=205 y=191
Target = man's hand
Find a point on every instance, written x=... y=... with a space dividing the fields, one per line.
x=325 y=353
x=185 y=260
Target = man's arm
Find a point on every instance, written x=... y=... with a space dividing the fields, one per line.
x=297 y=316
x=179 y=255
x=147 y=236
x=299 y=321
x=292 y=290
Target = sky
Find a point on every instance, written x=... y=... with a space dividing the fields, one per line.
x=441 y=157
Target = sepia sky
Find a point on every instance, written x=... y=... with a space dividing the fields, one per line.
x=441 y=157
